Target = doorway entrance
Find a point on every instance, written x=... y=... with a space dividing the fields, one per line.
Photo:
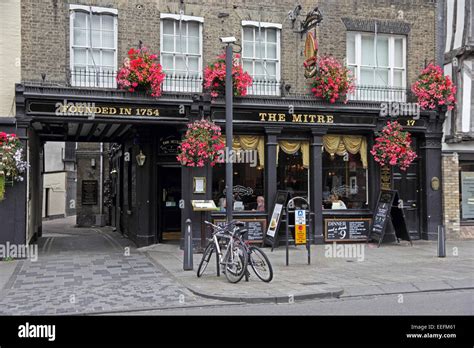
x=407 y=184
x=169 y=214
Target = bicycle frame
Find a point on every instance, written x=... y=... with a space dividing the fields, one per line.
x=222 y=233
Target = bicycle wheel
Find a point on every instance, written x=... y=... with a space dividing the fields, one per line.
x=260 y=264
x=205 y=259
x=236 y=264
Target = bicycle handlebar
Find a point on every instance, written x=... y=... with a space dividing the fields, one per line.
x=226 y=228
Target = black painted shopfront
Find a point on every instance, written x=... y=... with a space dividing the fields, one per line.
x=315 y=150
x=304 y=146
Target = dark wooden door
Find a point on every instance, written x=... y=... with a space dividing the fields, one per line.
x=169 y=196
x=407 y=183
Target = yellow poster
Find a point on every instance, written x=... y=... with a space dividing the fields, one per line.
x=300 y=234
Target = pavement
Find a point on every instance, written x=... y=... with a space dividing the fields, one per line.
x=98 y=271
x=390 y=269
x=87 y=271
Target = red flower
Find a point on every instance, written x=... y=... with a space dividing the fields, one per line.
x=332 y=81
x=201 y=144
x=433 y=89
x=393 y=147
x=214 y=77
x=141 y=71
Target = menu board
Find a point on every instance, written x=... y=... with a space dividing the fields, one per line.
x=272 y=231
x=203 y=205
x=90 y=192
x=346 y=230
x=382 y=211
x=255 y=228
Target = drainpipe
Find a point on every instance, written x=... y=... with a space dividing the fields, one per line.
x=101 y=178
x=440 y=32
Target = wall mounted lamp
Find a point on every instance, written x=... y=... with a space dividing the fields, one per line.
x=141 y=159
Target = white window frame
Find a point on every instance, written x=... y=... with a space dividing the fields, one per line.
x=271 y=89
x=73 y=9
x=171 y=83
x=391 y=64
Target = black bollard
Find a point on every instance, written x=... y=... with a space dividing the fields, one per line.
x=188 y=247
x=441 y=241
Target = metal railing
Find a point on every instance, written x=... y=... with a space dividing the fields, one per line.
x=265 y=87
x=378 y=94
x=183 y=84
x=89 y=78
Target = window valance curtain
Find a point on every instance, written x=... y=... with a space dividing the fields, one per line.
x=249 y=142
x=340 y=144
x=291 y=147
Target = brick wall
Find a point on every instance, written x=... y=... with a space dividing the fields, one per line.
x=451 y=208
x=45 y=29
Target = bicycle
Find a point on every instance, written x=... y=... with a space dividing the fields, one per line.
x=257 y=259
x=234 y=259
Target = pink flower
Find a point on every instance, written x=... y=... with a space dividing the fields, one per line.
x=434 y=89
x=393 y=147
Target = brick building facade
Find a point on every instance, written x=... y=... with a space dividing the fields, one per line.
x=45 y=30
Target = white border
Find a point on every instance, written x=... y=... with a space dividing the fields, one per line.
x=181 y=17
x=94 y=9
x=261 y=24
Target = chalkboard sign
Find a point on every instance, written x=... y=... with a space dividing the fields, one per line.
x=388 y=212
x=272 y=231
x=346 y=230
x=90 y=192
x=255 y=229
x=381 y=214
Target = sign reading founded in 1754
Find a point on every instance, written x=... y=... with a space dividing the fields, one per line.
x=67 y=108
x=90 y=192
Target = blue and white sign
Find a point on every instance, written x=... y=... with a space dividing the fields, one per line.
x=300 y=217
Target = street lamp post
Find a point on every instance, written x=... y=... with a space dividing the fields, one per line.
x=229 y=90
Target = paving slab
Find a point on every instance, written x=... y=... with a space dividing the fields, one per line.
x=461 y=283
x=7 y=269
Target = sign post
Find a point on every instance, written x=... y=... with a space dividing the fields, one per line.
x=302 y=216
x=300 y=227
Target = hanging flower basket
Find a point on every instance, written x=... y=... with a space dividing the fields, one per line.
x=201 y=144
x=214 y=77
x=433 y=89
x=393 y=147
x=141 y=72
x=332 y=81
x=12 y=165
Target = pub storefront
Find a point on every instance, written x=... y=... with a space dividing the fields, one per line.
x=303 y=146
x=322 y=154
